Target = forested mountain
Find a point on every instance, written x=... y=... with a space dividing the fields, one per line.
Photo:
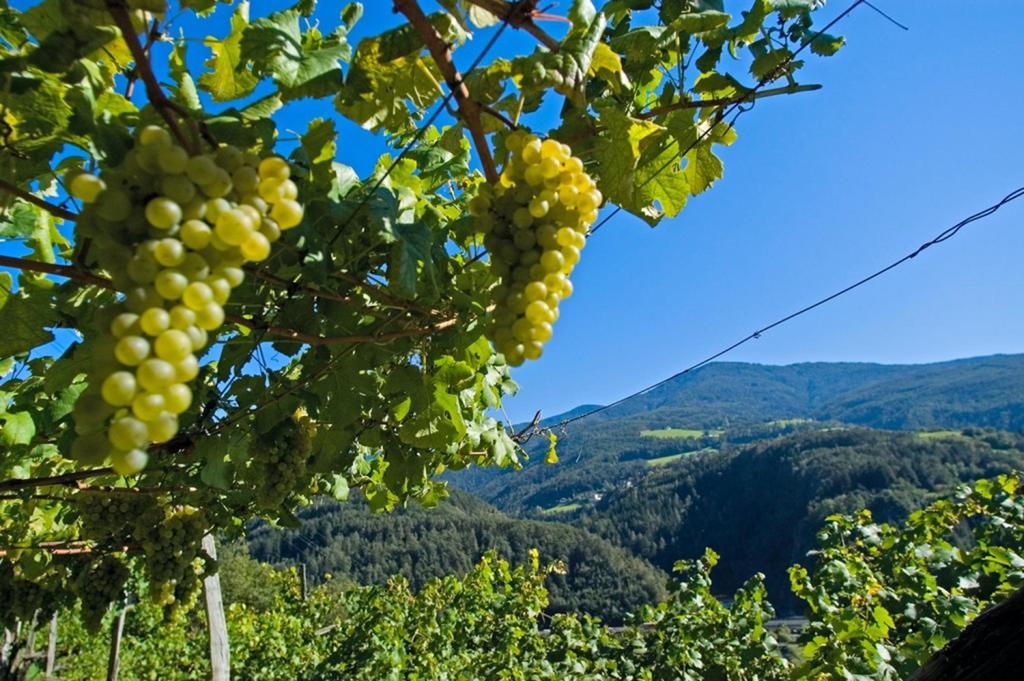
x=349 y=541
x=750 y=401
x=979 y=391
x=761 y=506
x=743 y=458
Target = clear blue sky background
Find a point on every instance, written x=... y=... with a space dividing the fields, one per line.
x=912 y=131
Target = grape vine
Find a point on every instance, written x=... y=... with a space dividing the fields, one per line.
x=388 y=325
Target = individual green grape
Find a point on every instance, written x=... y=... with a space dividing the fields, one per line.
x=210 y=317
x=165 y=426
x=196 y=295
x=124 y=324
x=86 y=187
x=197 y=337
x=287 y=213
x=534 y=223
x=196 y=234
x=170 y=284
x=177 y=398
x=173 y=345
x=148 y=406
x=129 y=462
x=179 y=189
x=169 y=252
x=172 y=159
x=119 y=388
x=181 y=317
x=163 y=213
x=131 y=350
x=154 y=321
x=155 y=374
x=274 y=167
x=127 y=433
x=201 y=170
x=155 y=136
x=256 y=247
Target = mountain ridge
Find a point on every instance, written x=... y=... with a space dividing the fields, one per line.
x=876 y=366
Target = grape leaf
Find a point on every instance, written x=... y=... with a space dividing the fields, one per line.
x=826 y=45
x=303 y=65
x=19 y=428
x=582 y=12
x=633 y=173
x=24 y=319
x=772 y=65
x=413 y=246
x=201 y=7
x=388 y=74
x=699 y=22
x=185 y=92
x=229 y=78
x=18 y=222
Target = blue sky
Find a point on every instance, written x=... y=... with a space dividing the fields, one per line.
x=912 y=131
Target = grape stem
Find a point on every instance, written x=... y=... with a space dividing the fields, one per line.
x=67 y=479
x=77 y=274
x=283 y=283
x=491 y=111
x=132 y=76
x=382 y=296
x=519 y=15
x=68 y=271
x=57 y=548
x=441 y=52
x=29 y=197
x=144 y=70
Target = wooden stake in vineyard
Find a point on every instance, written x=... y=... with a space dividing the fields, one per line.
x=51 y=647
x=116 y=631
x=220 y=656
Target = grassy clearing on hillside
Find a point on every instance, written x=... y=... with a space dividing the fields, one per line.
x=662 y=460
x=940 y=435
x=561 y=508
x=680 y=433
x=782 y=423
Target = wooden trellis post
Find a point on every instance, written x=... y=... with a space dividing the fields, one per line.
x=220 y=656
x=116 y=631
x=51 y=647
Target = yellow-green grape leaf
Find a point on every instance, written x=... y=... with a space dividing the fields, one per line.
x=229 y=78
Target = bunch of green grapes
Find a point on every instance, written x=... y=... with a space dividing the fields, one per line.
x=277 y=460
x=21 y=599
x=98 y=583
x=173 y=232
x=171 y=539
x=534 y=224
x=104 y=515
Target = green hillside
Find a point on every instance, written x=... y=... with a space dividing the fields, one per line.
x=732 y=403
x=760 y=506
x=350 y=542
x=744 y=458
